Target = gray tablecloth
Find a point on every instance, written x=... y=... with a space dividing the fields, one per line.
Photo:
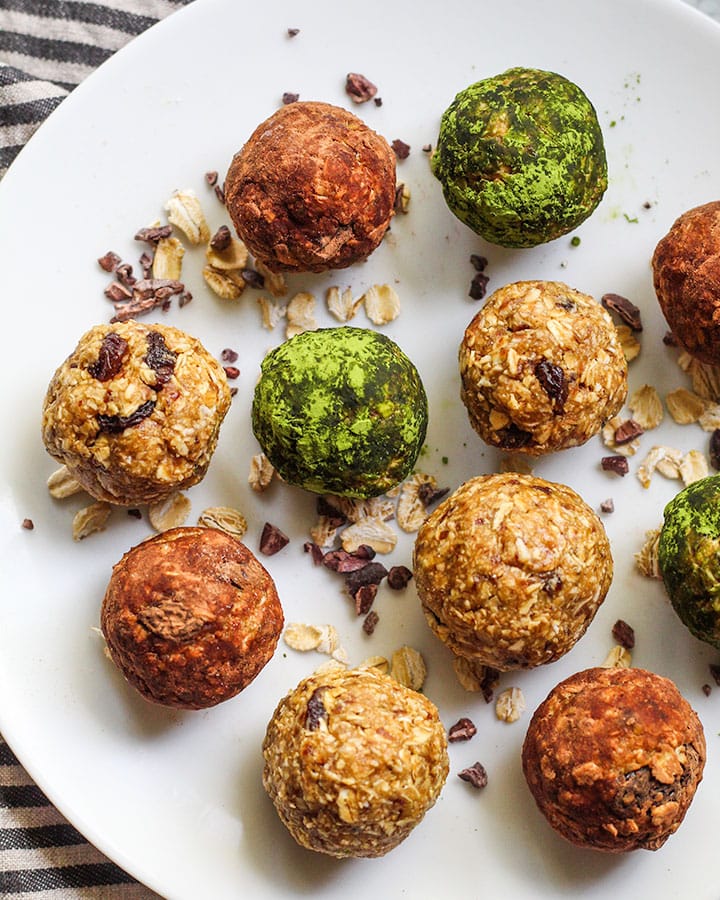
x=46 y=49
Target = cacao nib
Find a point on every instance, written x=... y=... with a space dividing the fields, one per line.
x=272 y=540
x=400 y=149
x=398 y=577
x=479 y=263
x=372 y=573
x=462 y=730
x=428 y=495
x=222 y=239
x=211 y=178
x=315 y=552
x=252 y=278
x=617 y=464
x=624 y=634
x=160 y=358
x=231 y=372
x=488 y=683
x=118 y=424
x=478 y=286
x=110 y=357
x=359 y=88
x=292 y=32
x=117 y=292
x=364 y=597
x=669 y=339
x=475 y=775
x=628 y=431
x=289 y=97
x=154 y=234
x=315 y=712
x=134 y=513
x=370 y=622
x=553 y=382
x=707 y=690
x=714 y=450
x=608 y=506
x=109 y=262
x=28 y=524
x=344 y=562
x=228 y=355
x=124 y=274
x=715 y=672
x=220 y=193
x=625 y=309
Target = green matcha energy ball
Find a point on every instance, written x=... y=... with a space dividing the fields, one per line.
x=689 y=557
x=340 y=411
x=521 y=157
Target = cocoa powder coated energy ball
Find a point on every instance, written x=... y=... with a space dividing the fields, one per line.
x=312 y=189
x=190 y=617
x=613 y=758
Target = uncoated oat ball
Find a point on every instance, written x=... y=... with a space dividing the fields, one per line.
x=511 y=569
x=353 y=761
x=312 y=189
x=190 y=617
x=613 y=758
x=541 y=367
x=134 y=412
x=686 y=275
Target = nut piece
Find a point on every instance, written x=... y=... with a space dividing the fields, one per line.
x=170 y=512
x=185 y=212
x=300 y=314
x=510 y=704
x=372 y=532
x=61 y=484
x=693 y=466
x=684 y=406
x=412 y=511
x=167 y=260
x=261 y=472
x=382 y=304
x=646 y=559
x=408 y=667
x=646 y=407
x=90 y=519
x=224 y=518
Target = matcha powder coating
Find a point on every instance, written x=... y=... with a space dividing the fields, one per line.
x=340 y=411
x=689 y=557
x=521 y=157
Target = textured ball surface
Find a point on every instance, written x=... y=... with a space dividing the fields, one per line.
x=340 y=411
x=521 y=157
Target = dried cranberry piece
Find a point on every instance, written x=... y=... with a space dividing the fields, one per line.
x=110 y=357
x=553 y=382
x=160 y=358
x=315 y=711
x=118 y=424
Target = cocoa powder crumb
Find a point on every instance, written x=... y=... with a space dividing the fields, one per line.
x=462 y=730
x=370 y=622
x=272 y=540
x=475 y=775
x=624 y=634
x=28 y=524
x=398 y=577
x=617 y=464
x=359 y=88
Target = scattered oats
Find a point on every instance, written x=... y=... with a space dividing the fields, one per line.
x=705 y=378
x=329 y=666
x=646 y=407
x=516 y=462
x=408 y=667
x=185 y=212
x=665 y=459
x=684 y=406
x=168 y=258
x=355 y=509
x=300 y=314
x=402 y=198
x=261 y=472
x=710 y=419
x=227 y=284
x=411 y=510
x=370 y=531
x=90 y=519
x=324 y=531
x=510 y=704
x=693 y=467
x=299 y=636
x=224 y=518
x=382 y=304
x=271 y=311
x=232 y=258
x=618 y=658
x=474 y=676
x=608 y=438
x=329 y=641
x=170 y=512
x=273 y=281
x=646 y=559
x=61 y=484
x=376 y=662
x=340 y=304
x=628 y=341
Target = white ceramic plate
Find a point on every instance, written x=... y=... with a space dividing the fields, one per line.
x=176 y=798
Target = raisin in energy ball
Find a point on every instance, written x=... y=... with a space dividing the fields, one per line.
x=134 y=412
x=511 y=569
x=686 y=274
x=353 y=761
x=340 y=411
x=312 y=189
x=521 y=158
x=613 y=758
x=190 y=617
x=541 y=367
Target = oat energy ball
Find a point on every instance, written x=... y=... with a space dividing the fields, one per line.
x=613 y=758
x=686 y=275
x=340 y=411
x=511 y=569
x=134 y=412
x=312 y=189
x=190 y=617
x=521 y=157
x=353 y=761
x=541 y=367
x=689 y=557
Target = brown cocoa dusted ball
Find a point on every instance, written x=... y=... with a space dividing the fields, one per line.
x=312 y=189
x=613 y=758
x=686 y=275
x=190 y=617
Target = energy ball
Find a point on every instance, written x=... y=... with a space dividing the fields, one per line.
x=686 y=275
x=689 y=559
x=353 y=761
x=340 y=411
x=312 y=189
x=521 y=157
x=190 y=617
x=511 y=569
x=541 y=367
x=134 y=412
x=613 y=758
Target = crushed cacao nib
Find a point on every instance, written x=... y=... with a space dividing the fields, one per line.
x=359 y=88
x=146 y=264
x=364 y=598
x=377 y=101
x=428 y=495
x=715 y=672
x=118 y=293
x=134 y=513
x=553 y=382
x=109 y=262
x=627 y=431
x=552 y=582
x=399 y=204
x=28 y=524
x=272 y=540
x=624 y=634
x=344 y=562
x=118 y=424
x=153 y=234
x=370 y=622
x=220 y=193
x=124 y=274
x=488 y=683
x=617 y=464
x=372 y=573
x=608 y=506
x=398 y=577
x=707 y=690
x=427 y=148
x=229 y=355
x=478 y=286
x=231 y=372
x=292 y=32
x=625 y=309
x=462 y=730
x=222 y=239
x=714 y=449
x=479 y=263
x=289 y=97
x=315 y=552
x=147 y=294
x=315 y=712
x=110 y=357
x=233 y=391
x=252 y=278
x=475 y=775
x=160 y=358
x=400 y=148
x=184 y=299
x=669 y=339
x=211 y=178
